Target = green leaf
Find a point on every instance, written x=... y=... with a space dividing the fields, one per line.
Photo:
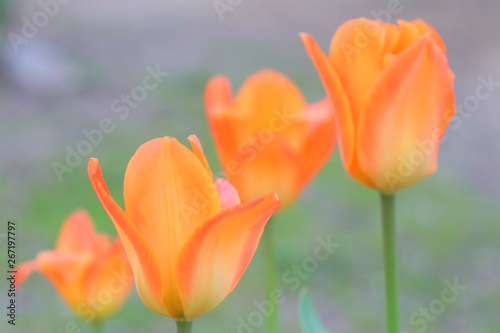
x=309 y=319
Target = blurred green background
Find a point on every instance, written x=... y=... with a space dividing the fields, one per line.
x=65 y=78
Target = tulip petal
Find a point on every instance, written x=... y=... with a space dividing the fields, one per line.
x=320 y=129
x=213 y=260
x=410 y=32
x=228 y=195
x=356 y=55
x=342 y=112
x=168 y=193
x=78 y=234
x=142 y=259
x=344 y=124
x=433 y=34
x=405 y=109
x=223 y=124
x=225 y=132
x=198 y=151
x=110 y=273
x=269 y=92
x=24 y=270
x=65 y=272
x=257 y=171
x=240 y=128
x=218 y=94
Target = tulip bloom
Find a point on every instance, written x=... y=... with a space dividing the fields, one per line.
x=267 y=137
x=90 y=273
x=392 y=94
x=187 y=237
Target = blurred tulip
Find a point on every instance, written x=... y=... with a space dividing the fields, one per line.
x=188 y=238
x=90 y=273
x=392 y=93
x=267 y=137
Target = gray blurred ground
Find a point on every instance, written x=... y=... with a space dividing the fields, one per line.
x=65 y=79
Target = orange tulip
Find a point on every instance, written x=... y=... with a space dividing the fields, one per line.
x=267 y=137
x=392 y=93
x=90 y=273
x=188 y=238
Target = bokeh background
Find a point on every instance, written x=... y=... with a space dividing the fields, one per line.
x=65 y=78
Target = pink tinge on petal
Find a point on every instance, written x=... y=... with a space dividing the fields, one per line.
x=193 y=139
x=228 y=195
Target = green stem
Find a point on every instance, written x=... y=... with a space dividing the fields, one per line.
x=96 y=326
x=271 y=273
x=390 y=264
x=184 y=326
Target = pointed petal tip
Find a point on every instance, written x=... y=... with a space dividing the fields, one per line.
x=228 y=241
x=168 y=139
x=273 y=196
x=315 y=52
x=93 y=166
x=197 y=149
x=218 y=78
x=218 y=94
x=304 y=35
x=193 y=139
x=23 y=271
x=307 y=39
x=80 y=211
